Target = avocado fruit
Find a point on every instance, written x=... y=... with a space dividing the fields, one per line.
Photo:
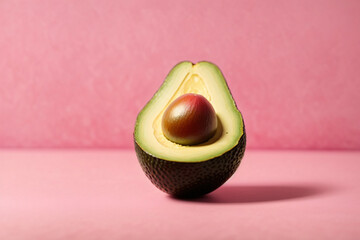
x=187 y=171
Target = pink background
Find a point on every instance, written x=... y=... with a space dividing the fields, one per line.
x=76 y=73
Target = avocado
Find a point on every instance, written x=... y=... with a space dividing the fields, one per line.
x=190 y=170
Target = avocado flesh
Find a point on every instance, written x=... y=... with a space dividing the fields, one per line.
x=202 y=78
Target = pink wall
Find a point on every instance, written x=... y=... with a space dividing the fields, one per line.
x=76 y=73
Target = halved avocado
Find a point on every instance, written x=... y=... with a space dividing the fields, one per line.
x=190 y=171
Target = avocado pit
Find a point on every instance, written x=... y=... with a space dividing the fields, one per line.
x=189 y=120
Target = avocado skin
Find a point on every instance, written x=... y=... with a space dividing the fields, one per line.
x=188 y=180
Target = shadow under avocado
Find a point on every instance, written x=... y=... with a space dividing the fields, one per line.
x=259 y=193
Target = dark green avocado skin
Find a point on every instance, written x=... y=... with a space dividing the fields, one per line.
x=187 y=180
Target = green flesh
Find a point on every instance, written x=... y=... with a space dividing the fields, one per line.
x=203 y=78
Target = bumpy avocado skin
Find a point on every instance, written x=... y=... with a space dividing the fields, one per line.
x=186 y=180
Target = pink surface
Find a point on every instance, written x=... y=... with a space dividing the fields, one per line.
x=105 y=195
x=76 y=73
